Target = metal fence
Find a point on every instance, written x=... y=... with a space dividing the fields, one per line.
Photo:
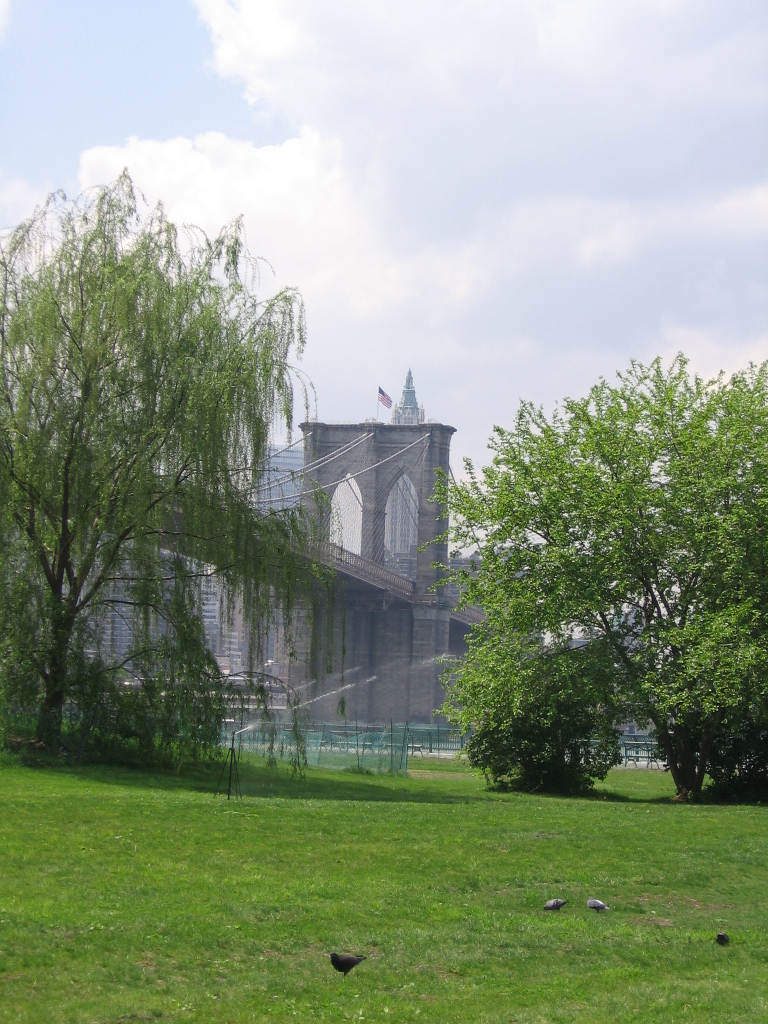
x=640 y=752
x=373 y=748
x=370 y=747
x=435 y=740
x=384 y=747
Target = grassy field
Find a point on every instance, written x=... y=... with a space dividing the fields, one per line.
x=134 y=896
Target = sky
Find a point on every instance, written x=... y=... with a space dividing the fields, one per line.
x=512 y=198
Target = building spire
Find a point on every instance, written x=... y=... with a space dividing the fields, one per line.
x=408 y=410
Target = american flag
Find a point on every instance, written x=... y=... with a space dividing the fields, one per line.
x=385 y=400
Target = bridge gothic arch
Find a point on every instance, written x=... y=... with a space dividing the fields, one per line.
x=377 y=456
x=401 y=527
x=346 y=521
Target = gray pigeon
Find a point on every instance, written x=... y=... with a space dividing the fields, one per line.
x=554 y=904
x=597 y=905
x=722 y=939
x=344 y=962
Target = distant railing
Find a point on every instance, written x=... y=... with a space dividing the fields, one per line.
x=370 y=572
x=470 y=616
x=383 y=747
x=370 y=748
x=435 y=740
x=639 y=752
x=365 y=570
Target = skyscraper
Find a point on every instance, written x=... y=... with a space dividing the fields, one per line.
x=408 y=409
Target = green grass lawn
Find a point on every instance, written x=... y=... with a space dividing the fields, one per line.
x=135 y=896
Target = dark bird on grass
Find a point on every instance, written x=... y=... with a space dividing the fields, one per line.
x=344 y=962
x=597 y=905
x=722 y=939
x=554 y=904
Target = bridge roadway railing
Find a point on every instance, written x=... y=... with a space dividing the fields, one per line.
x=376 y=575
x=365 y=570
x=470 y=616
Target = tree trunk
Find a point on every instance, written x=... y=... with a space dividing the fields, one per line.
x=701 y=768
x=707 y=743
x=686 y=759
x=680 y=758
x=50 y=716
x=665 y=741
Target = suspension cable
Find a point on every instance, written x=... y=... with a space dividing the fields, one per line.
x=317 y=464
x=354 y=476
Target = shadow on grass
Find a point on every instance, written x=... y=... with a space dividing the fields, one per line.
x=611 y=796
x=259 y=781
x=342 y=784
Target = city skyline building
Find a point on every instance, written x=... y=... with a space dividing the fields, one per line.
x=408 y=410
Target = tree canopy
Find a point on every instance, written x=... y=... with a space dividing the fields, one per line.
x=622 y=547
x=141 y=379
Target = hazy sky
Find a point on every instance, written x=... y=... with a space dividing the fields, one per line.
x=512 y=198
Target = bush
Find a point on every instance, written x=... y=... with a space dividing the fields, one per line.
x=551 y=755
x=549 y=726
x=738 y=765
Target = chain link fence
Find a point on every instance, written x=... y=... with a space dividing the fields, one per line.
x=376 y=748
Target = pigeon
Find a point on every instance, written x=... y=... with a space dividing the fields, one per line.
x=722 y=939
x=554 y=904
x=597 y=905
x=344 y=962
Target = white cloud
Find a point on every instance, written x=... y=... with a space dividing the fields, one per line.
x=741 y=215
x=467 y=313
x=299 y=209
x=18 y=198
x=300 y=212
x=712 y=351
x=512 y=198
x=259 y=36
x=5 y=14
x=317 y=62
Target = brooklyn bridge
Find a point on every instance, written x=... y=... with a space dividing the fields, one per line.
x=382 y=640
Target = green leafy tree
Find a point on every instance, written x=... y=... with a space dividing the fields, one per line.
x=141 y=378
x=623 y=574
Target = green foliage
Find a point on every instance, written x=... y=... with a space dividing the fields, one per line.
x=738 y=765
x=548 y=725
x=141 y=377
x=622 y=569
x=299 y=721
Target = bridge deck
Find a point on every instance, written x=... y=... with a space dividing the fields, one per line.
x=368 y=572
x=358 y=568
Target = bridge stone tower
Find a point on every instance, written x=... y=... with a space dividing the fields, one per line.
x=389 y=627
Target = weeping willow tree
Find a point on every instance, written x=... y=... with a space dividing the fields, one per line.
x=141 y=379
